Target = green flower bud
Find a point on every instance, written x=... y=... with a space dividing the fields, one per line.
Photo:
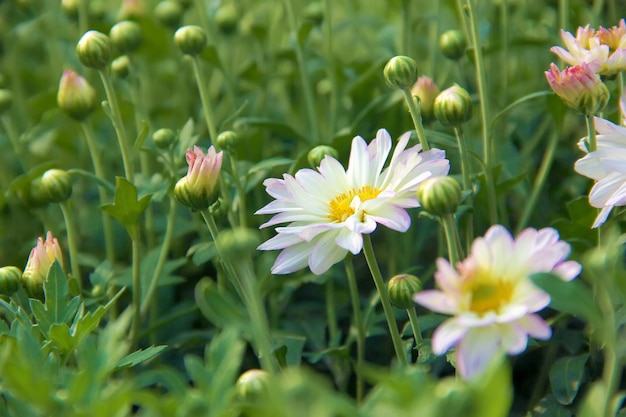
x=6 y=99
x=314 y=11
x=10 y=277
x=426 y=90
x=238 y=242
x=400 y=72
x=452 y=44
x=163 y=138
x=317 y=154
x=76 y=97
x=190 y=39
x=70 y=7
x=56 y=185
x=440 y=195
x=126 y=36
x=227 y=139
x=169 y=13
x=94 y=50
x=252 y=384
x=120 y=66
x=227 y=18
x=453 y=106
x=131 y=9
x=98 y=291
x=402 y=288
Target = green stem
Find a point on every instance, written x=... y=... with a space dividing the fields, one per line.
x=118 y=124
x=241 y=193
x=370 y=257
x=357 y=318
x=107 y=227
x=331 y=311
x=136 y=260
x=540 y=180
x=592 y=144
x=165 y=247
x=71 y=242
x=204 y=97
x=465 y=165
x=417 y=333
x=452 y=238
x=307 y=89
x=83 y=16
x=620 y=93
x=330 y=67
x=406 y=28
x=416 y=115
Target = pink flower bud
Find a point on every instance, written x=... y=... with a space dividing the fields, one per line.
x=579 y=87
x=41 y=258
x=199 y=188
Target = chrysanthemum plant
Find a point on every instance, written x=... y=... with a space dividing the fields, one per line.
x=321 y=208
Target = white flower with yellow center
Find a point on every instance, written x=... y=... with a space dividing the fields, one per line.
x=328 y=210
x=491 y=297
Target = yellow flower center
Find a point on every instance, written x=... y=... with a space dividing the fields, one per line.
x=490 y=296
x=340 y=208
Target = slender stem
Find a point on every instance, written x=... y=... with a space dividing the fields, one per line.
x=370 y=257
x=71 y=242
x=357 y=318
x=452 y=238
x=416 y=115
x=107 y=227
x=136 y=260
x=307 y=89
x=592 y=144
x=465 y=165
x=417 y=333
x=540 y=180
x=241 y=193
x=331 y=66
x=406 y=28
x=83 y=16
x=165 y=247
x=118 y=124
x=620 y=93
x=331 y=311
x=204 y=97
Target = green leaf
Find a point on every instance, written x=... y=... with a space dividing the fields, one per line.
x=126 y=208
x=56 y=292
x=88 y=322
x=41 y=314
x=492 y=393
x=304 y=30
x=566 y=376
x=275 y=126
x=141 y=137
x=291 y=346
x=594 y=402
x=60 y=335
x=141 y=355
x=221 y=308
x=569 y=297
x=202 y=252
x=550 y=407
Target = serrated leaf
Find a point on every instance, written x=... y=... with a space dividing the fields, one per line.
x=141 y=355
x=566 y=376
x=59 y=334
x=41 y=314
x=87 y=323
x=126 y=208
x=569 y=297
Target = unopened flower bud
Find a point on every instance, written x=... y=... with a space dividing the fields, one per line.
x=190 y=39
x=6 y=99
x=98 y=291
x=131 y=9
x=252 y=384
x=70 y=7
x=453 y=106
x=227 y=18
x=200 y=187
x=426 y=90
x=10 y=277
x=163 y=138
x=579 y=87
x=238 y=242
x=41 y=258
x=56 y=185
x=120 y=66
x=452 y=44
x=126 y=36
x=440 y=195
x=227 y=139
x=317 y=154
x=400 y=72
x=76 y=97
x=402 y=288
x=94 y=50
x=169 y=13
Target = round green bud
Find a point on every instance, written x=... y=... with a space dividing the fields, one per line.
x=163 y=138
x=70 y=7
x=440 y=195
x=227 y=139
x=314 y=12
x=317 y=155
x=402 y=288
x=10 y=278
x=120 y=67
x=94 y=50
x=98 y=291
x=6 y=99
x=453 y=106
x=452 y=44
x=169 y=13
x=238 y=242
x=400 y=72
x=226 y=18
x=252 y=384
x=190 y=39
x=56 y=185
x=126 y=36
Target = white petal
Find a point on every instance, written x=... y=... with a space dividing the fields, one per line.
x=437 y=301
x=447 y=335
x=535 y=326
x=476 y=350
x=325 y=253
x=292 y=259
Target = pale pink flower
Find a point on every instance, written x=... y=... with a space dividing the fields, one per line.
x=491 y=297
x=614 y=37
x=200 y=187
x=41 y=258
x=579 y=87
x=330 y=209
x=606 y=166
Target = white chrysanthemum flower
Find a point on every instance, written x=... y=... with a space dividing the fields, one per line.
x=606 y=166
x=491 y=297
x=330 y=209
